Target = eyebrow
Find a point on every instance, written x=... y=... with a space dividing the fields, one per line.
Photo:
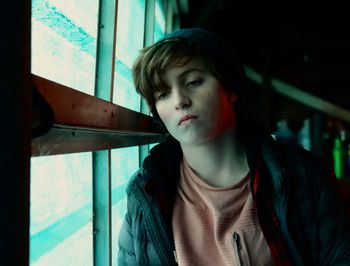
x=188 y=71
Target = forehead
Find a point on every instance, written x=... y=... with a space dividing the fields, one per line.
x=184 y=68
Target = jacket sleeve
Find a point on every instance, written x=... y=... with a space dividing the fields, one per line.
x=334 y=227
x=126 y=252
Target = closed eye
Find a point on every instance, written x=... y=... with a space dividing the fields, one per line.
x=194 y=83
x=161 y=95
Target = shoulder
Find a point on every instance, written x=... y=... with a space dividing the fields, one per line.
x=298 y=158
x=305 y=171
x=138 y=179
x=296 y=162
x=159 y=168
x=150 y=167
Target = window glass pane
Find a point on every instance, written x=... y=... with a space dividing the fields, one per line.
x=61 y=210
x=64 y=41
x=130 y=32
x=159 y=27
x=124 y=163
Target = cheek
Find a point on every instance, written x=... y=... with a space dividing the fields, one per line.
x=223 y=110
x=163 y=113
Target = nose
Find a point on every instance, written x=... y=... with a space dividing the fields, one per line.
x=181 y=100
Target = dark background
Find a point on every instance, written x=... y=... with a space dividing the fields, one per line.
x=304 y=43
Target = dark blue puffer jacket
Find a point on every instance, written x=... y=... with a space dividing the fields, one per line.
x=313 y=219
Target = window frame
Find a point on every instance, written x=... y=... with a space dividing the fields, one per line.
x=94 y=123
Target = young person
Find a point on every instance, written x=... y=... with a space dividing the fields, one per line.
x=219 y=191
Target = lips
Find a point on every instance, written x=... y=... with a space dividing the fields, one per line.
x=186 y=118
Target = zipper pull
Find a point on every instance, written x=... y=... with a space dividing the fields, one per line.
x=237 y=240
x=175 y=256
x=238 y=247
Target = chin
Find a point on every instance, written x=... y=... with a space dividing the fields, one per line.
x=192 y=139
x=193 y=135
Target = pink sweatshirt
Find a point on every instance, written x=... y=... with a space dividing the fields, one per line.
x=216 y=226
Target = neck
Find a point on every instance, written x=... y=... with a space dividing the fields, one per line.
x=221 y=162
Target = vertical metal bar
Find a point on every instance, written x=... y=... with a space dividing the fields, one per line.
x=15 y=120
x=168 y=7
x=148 y=40
x=106 y=38
x=172 y=16
x=101 y=208
x=143 y=152
x=101 y=160
x=149 y=22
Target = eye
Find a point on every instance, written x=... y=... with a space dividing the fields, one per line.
x=161 y=95
x=194 y=83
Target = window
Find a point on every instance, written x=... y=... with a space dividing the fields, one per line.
x=64 y=42
x=159 y=25
x=129 y=42
x=61 y=210
x=123 y=163
x=63 y=50
x=69 y=48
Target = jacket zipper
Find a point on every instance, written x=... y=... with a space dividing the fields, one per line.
x=175 y=256
x=237 y=241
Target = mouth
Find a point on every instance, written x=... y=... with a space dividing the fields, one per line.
x=186 y=118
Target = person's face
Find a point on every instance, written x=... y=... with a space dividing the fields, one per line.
x=196 y=108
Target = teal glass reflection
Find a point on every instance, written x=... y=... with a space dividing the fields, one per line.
x=159 y=26
x=64 y=42
x=130 y=35
x=61 y=210
x=124 y=164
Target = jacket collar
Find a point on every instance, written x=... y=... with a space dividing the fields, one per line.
x=162 y=166
x=164 y=159
x=163 y=163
